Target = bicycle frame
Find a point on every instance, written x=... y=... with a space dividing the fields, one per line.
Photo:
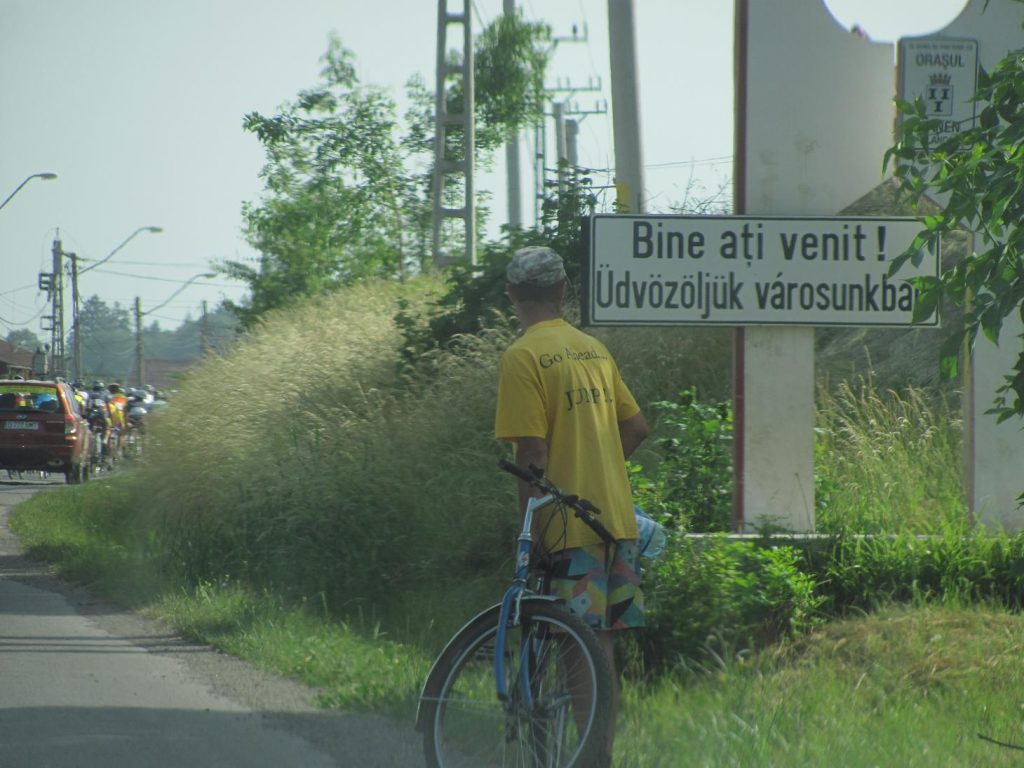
x=509 y=611
x=512 y=600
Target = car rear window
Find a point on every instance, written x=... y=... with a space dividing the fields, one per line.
x=33 y=398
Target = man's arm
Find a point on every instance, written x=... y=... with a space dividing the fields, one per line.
x=530 y=450
x=632 y=432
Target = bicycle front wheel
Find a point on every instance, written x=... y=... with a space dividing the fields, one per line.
x=557 y=712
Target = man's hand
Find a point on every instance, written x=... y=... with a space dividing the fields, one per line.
x=530 y=451
x=632 y=432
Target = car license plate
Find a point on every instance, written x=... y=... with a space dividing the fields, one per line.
x=21 y=425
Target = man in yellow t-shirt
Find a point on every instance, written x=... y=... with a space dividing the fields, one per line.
x=563 y=404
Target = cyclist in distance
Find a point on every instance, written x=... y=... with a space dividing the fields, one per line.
x=118 y=402
x=98 y=414
x=563 y=404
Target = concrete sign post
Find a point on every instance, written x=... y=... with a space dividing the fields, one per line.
x=814 y=117
x=739 y=270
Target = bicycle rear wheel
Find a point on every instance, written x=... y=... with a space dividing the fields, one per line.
x=569 y=681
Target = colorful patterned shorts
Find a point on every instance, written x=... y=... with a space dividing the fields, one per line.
x=580 y=576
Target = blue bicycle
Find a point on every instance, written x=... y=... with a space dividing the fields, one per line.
x=525 y=682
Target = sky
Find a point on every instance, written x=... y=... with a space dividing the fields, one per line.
x=137 y=106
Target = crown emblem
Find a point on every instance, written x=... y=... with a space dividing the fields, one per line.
x=940 y=78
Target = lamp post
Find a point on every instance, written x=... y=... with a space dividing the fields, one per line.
x=26 y=181
x=140 y=358
x=75 y=272
x=122 y=245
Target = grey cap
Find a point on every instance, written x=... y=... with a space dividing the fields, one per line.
x=536 y=265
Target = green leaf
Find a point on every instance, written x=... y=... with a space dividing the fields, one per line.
x=949 y=355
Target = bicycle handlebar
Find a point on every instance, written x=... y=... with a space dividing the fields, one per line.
x=515 y=469
x=582 y=508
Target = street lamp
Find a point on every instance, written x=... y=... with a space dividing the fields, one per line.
x=186 y=284
x=26 y=181
x=140 y=375
x=122 y=245
x=75 y=272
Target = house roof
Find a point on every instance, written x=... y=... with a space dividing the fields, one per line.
x=12 y=356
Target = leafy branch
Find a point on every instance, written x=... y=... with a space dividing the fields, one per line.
x=978 y=173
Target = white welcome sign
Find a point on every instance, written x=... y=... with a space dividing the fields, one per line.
x=746 y=270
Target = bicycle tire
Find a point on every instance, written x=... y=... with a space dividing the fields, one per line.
x=466 y=725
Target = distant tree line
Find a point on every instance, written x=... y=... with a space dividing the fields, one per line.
x=108 y=338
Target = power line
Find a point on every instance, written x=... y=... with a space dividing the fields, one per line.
x=163 y=279
x=476 y=12
x=190 y=264
x=19 y=304
x=16 y=290
x=703 y=161
x=22 y=322
x=171 y=319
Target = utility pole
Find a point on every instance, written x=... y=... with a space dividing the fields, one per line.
x=204 y=332
x=463 y=121
x=560 y=111
x=629 y=178
x=558 y=108
x=140 y=365
x=572 y=135
x=515 y=213
x=57 y=318
x=76 y=349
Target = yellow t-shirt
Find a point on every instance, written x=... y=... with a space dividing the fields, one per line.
x=557 y=383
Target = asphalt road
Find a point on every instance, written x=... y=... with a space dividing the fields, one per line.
x=85 y=684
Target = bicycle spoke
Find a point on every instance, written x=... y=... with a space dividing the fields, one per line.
x=563 y=684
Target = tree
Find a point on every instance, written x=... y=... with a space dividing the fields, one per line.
x=348 y=185
x=107 y=341
x=979 y=170
x=25 y=339
x=336 y=191
x=474 y=296
x=510 y=60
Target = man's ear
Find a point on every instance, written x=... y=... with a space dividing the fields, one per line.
x=562 y=292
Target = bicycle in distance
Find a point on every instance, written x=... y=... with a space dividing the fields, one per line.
x=525 y=682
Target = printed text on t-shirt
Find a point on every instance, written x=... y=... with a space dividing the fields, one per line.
x=547 y=359
x=586 y=396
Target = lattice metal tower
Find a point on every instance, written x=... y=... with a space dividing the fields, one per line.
x=460 y=68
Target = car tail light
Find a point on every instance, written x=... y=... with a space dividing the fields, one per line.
x=70 y=427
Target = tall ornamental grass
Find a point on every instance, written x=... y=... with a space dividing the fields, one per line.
x=312 y=460
x=887 y=462
x=335 y=466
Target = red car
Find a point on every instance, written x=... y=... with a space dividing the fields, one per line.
x=42 y=428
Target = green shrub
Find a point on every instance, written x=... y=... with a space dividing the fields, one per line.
x=959 y=565
x=473 y=298
x=721 y=596
x=690 y=486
